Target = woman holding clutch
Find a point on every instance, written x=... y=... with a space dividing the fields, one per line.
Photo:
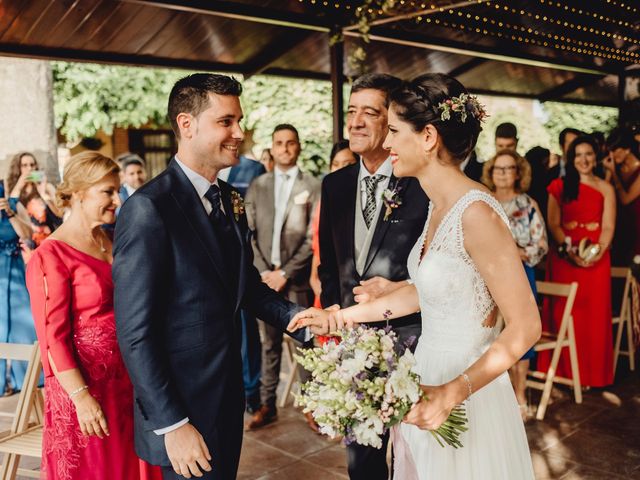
x=581 y=220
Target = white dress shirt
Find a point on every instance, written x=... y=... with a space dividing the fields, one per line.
x=282 y=191
x=386 y=169
x=224 y=173
x=201 y=186
x=130 y=190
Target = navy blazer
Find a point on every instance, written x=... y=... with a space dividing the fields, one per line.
x=177 y=316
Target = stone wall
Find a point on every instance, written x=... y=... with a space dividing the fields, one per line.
x=26 y=113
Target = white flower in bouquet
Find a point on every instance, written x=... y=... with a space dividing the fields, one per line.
x=363 y=385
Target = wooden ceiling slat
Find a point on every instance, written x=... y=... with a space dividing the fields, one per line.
x=126 y=15
x=167 y=34
x=137 y=32
x=9 y=12
x=84 y=22
x=69 y=20
x=26 y=14
x=95 y=27
x=43 y=14
x=191 y=32
x=50 y=18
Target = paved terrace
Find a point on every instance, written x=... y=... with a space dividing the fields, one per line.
x=599 y=439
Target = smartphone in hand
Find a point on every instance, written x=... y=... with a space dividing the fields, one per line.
x=36 y=176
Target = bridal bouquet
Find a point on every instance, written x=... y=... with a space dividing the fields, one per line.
x=362 y=386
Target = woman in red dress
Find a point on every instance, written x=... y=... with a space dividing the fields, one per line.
x=88 y=424
x=582 y=205
x=624 y=165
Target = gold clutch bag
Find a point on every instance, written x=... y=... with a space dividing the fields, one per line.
x=587 y=251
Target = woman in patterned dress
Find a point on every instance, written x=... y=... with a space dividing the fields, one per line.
x=508 y=176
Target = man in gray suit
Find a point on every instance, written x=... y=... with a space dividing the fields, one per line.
x=280 y=206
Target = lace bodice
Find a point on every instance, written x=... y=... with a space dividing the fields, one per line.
x=454 y=298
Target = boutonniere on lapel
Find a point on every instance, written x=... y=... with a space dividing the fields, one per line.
x=237 y=203
x=391 y=200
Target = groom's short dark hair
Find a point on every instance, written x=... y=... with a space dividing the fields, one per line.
x=191 y=94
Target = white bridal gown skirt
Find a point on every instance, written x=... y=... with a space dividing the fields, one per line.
x=495 y=446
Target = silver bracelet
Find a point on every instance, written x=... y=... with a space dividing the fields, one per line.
x=78 y=390
x=466 y=379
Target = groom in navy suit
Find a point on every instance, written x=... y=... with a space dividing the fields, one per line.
x=183 y=270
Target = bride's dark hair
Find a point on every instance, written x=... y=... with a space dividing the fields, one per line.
x=417 y=103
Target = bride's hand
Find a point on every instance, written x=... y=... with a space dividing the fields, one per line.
x=433 y=409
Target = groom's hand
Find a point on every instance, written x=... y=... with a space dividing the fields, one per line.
x=187 y=451
x=320 y=322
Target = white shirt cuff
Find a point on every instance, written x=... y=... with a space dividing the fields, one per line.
x=171 y=428
x=307 y=335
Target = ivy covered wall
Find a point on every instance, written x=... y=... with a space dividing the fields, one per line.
x=90 y=97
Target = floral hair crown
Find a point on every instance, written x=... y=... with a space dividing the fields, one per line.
x=462 y=107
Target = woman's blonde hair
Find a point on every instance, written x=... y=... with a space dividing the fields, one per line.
x=523 y=171
x=81 y=172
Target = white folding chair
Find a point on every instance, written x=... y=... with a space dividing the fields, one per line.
x=25 y=436
x=623 y=319
x=565 y=338
x=288 y=350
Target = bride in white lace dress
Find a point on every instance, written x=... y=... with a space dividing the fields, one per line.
x=464 y=265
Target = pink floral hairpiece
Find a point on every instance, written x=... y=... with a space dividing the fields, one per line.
x=462 y=107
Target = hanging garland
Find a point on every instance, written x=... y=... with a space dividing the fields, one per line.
x=366 y=13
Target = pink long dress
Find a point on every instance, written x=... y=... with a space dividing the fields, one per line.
x=72 y=302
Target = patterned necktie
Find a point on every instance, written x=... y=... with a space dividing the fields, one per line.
x=371 y=184
x=213 y=195
x=223 y=229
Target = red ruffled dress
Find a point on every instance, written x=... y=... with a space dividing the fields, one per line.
x=72 y=303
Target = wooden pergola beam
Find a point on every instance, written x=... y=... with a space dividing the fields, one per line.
x=579 y=81
x=467 y=66
x=497 y=53
x=239 y=11
x=273 y=51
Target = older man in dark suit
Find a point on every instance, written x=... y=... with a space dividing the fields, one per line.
x=364 y=248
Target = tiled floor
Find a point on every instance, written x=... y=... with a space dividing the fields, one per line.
x=599 y=439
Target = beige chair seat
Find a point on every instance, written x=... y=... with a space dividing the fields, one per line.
x=25 y=437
